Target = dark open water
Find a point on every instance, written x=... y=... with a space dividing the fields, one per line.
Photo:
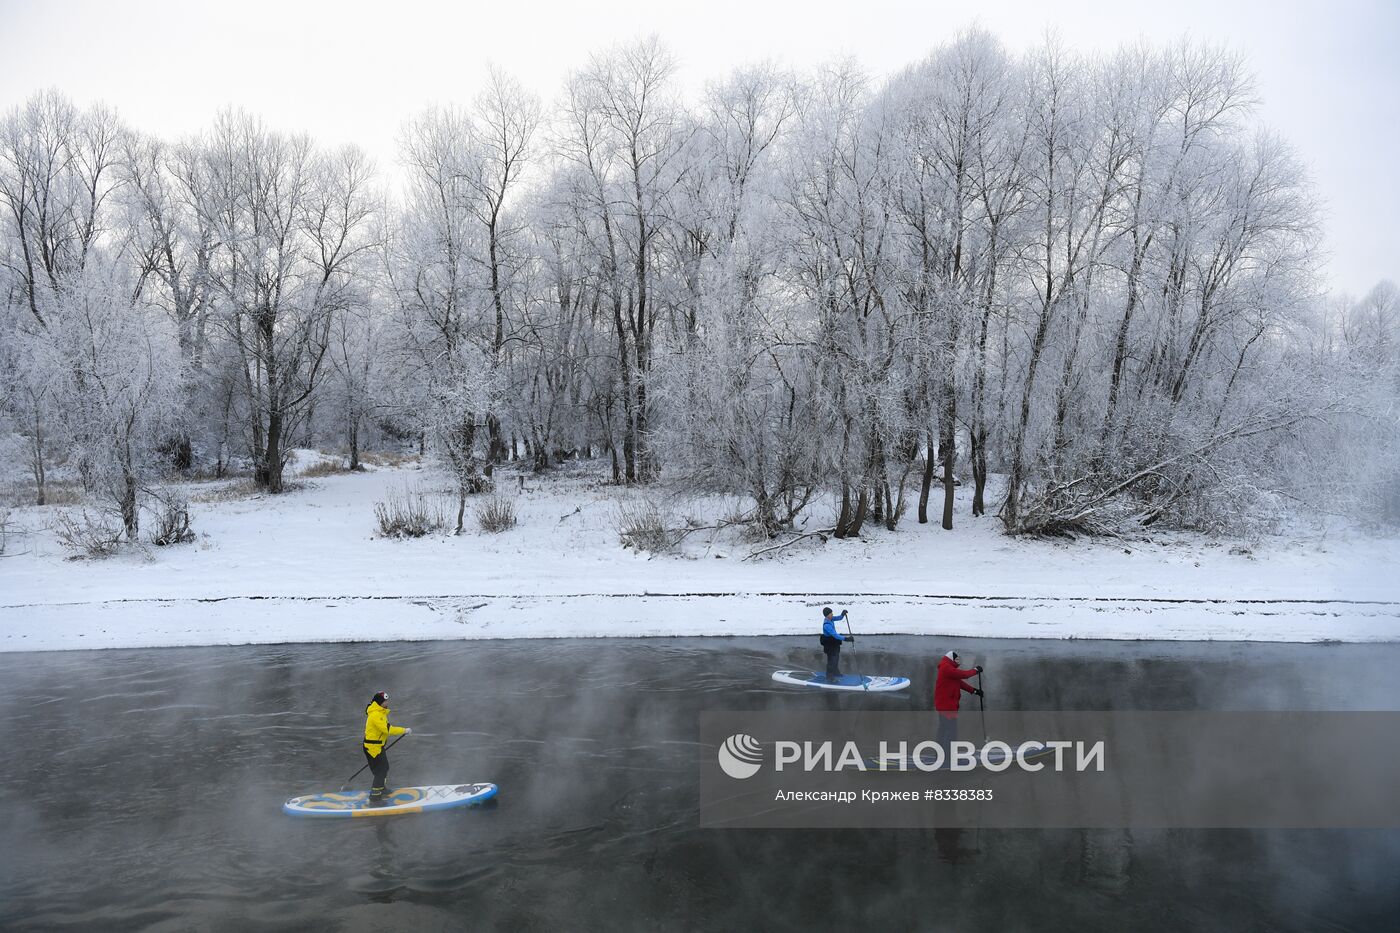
x=141 y=790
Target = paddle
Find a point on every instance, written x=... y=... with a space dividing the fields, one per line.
x=983 y=698
x=863 y=685
x=344 y=787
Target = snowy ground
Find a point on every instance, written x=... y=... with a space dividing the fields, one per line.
x=307 y=567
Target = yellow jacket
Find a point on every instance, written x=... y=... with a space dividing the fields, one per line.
x=377 y=728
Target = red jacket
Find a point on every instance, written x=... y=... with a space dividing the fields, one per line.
x=947 y=690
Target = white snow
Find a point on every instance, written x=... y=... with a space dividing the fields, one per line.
x=307 y=566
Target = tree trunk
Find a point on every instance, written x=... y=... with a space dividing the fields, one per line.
x=308 y=435
x=354 y=443
x=495 y=445
x=37 y=464
x=947 y=448
x=927 y=480
x=977 y=434
x=1065 y=390
x=646 y=458
x=843 y=520
x=862 y=506
x=183 y=457
x=131 y=517
x=629 y=452
x=1120 y=356
x=1011 y=513
x=977 y=439
x=270 y=471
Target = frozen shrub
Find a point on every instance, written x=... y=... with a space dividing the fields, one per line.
x=325 y=468
x=231 y=492
x=496 y=514
x=755 y=531
x=89 y=534
x=386 y=458
x=172 y=520
x=410 y=513
x=641 y=524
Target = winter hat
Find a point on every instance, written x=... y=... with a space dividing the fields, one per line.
x=381 y=698
x=951 y=656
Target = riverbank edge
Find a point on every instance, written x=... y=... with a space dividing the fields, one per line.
x=245 y=620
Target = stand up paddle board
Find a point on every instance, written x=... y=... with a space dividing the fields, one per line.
x=996 y=757
x=401 y=801
x=857 y=682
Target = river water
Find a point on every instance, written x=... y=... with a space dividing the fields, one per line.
x=142 y=790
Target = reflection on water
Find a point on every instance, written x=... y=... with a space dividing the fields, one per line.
x=142 y=790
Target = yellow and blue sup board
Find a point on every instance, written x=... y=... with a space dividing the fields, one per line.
x=402 y=801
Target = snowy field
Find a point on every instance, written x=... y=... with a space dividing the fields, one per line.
x=307 y=567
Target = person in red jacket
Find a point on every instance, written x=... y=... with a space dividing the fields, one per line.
x=947 y=695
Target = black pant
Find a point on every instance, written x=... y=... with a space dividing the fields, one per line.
x=379 y=767
x=947 y=733
x=833 y=661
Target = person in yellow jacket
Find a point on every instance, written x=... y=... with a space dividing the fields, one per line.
x=377 y=730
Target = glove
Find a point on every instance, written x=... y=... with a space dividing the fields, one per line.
x=851 y=639
x=977 y=692
x=407 y=731
x=978 y=668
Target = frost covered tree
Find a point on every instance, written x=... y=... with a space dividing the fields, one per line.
x=949 y=116
x=115 y=372
x=736 y=400
x=57 y=176
x=91 y=368
x=356 y=346
x=449 y=325
x=291 y=225
x=623 y=135
x=561 y=388
x=503 y=129
x=839 y=209
x=173 y=243
x=1085 y=285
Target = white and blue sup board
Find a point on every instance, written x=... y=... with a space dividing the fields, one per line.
x=401 y=801
x=910 y=763
x=850 y=682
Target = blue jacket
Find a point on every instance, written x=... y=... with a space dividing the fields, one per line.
x=829 y=627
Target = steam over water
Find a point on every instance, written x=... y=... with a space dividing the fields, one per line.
x=142 y=789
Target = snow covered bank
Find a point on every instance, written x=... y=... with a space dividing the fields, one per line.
x=306 y=567
x=170 y=623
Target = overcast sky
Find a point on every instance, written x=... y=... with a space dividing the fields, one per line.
x=352 y=71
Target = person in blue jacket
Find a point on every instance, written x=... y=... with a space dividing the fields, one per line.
x=832 y=640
